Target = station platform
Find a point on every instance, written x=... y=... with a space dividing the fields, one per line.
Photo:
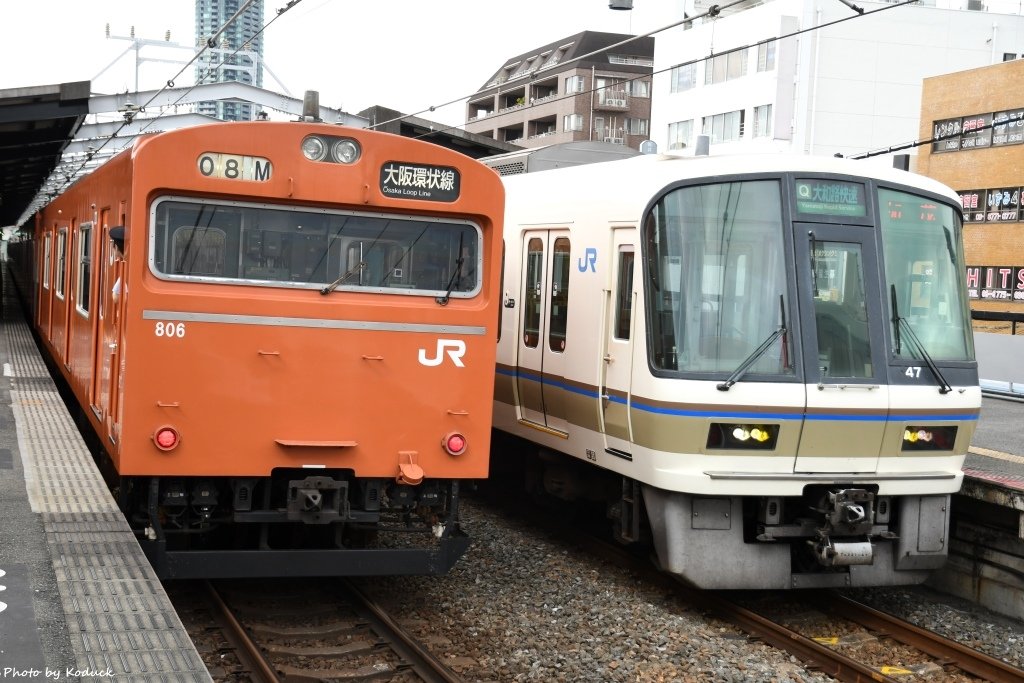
x=994 y=468
x=78 y=599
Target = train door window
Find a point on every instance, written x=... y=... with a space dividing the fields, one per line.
x=47 y=259
x=840 y=311
x=62 y=259
x=559 y=312
x=501 y=288
x=624 y=295
x=532 y=292
x=83 y=282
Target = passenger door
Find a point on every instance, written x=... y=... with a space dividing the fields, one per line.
x=844 y=359
x=614 y=395
x=542 y=340
x=107 y=321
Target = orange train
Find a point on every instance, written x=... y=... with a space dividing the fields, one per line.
x=283 y=336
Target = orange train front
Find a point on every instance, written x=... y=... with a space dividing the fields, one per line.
x=284 y=336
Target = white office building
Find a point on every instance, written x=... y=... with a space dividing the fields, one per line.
x=834 y=81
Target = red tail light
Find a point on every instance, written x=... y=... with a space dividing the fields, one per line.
x=166 y=438
x=454 y=443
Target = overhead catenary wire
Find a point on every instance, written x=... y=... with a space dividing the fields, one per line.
x=209 y=43
x=712 y=12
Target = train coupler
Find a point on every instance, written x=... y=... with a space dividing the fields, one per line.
x=317 y=500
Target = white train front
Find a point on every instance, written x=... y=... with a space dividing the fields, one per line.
x=762 y=363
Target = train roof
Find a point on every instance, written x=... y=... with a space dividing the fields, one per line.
x=635 y=180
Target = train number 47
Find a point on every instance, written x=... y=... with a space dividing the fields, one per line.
x=913 y=372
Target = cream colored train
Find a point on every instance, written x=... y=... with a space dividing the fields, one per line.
x=763 y=364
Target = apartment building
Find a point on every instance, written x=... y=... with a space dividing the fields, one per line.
x=976 y=121
x=815 y=76
x=237 y=56
x=589 y=86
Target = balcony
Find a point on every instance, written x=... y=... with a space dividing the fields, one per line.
x=611 y=100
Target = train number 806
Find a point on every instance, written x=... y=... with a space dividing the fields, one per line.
x=170 y=329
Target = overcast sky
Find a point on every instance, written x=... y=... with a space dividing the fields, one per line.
x=403 y=54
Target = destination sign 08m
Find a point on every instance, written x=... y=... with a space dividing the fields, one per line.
x=234 y=167
x=830 y=198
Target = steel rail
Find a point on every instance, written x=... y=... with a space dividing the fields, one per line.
x=422 y=661
x=248 y=652
x=813 y=654
x=966 y=658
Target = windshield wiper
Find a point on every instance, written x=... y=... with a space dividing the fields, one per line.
x=814 y=261
x=897 y=322
x=758 y=352
x=443 y=300
x=352 y=271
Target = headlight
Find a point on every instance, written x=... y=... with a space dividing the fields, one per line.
x=345 y=151
x=743 y=436
x=331 y=148
x=928 y=438
x=313 y=148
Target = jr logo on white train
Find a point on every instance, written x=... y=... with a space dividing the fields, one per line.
x=456 y=349
x=588 y=260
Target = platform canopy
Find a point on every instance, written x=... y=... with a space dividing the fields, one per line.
x=36 y=124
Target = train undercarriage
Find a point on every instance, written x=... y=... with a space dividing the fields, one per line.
x=841 y=534
x=294 y=523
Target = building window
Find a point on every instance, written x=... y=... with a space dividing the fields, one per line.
x=763 y=121
x=725 y=67
x=683 y=77
x=640 y=88
x=1009 y=56
x=636 y=126
x=679 y=134
x=766 y=56
x=725 y=127
x=572 y=122
x=574 y=84
x=556 y=56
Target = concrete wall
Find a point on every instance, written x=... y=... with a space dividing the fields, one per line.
x=1000 y=361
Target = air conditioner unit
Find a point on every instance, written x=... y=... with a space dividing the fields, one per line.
x=615 y=103
x=615 y=141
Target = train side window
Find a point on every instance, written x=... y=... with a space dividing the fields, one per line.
x=47 y=260
x=624 y=295
x=263 y=245
x=84 y=279
x=532 y=293
x=62 y=262
x=559 y=312
x=198 y=250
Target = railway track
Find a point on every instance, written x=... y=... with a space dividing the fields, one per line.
x=851 y=641
x=786 y=621
x=280 y=632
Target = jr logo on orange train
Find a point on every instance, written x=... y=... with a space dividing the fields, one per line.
x=456 y=350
